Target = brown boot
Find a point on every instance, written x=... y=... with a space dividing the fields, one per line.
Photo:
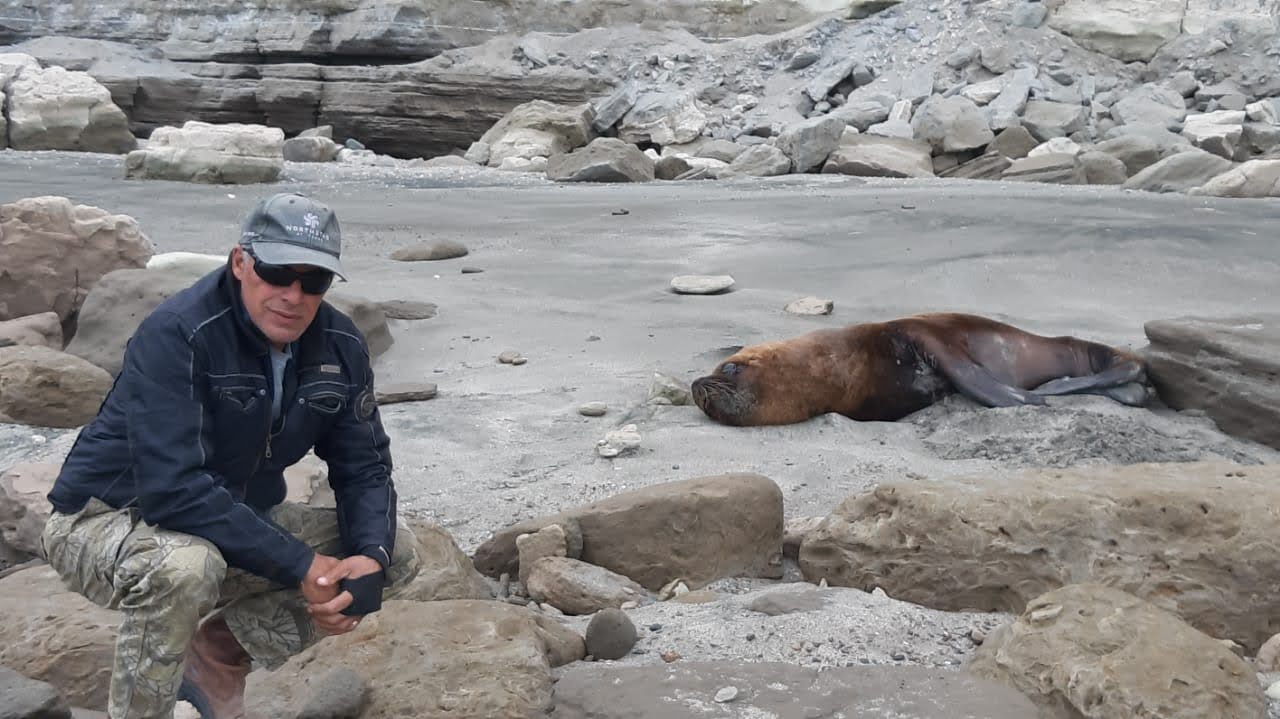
x=217 y=665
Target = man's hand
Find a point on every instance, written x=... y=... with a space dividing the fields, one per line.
x=320 y=588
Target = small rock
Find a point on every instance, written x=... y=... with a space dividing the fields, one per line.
x=472 y=270
x=810 y=306
x=671 y=656
x=593 y=409
x=726 y=694
x=442 y=250
x=977 y=636
x=665 y=389
x=610 y=634
x=701 y=284
x=618 y=441
x=511 y=357
x=621 y=211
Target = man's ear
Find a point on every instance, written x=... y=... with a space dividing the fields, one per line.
x=238 y=263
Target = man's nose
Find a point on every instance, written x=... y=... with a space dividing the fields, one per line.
x=292 y=293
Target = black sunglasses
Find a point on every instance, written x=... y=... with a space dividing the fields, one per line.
x=314 y=282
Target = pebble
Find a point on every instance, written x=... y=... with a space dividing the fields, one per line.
x=701 y=284
x=472 y=270
x=593 y=409
x=810 y=306
x=511 y=357
x=726 y=694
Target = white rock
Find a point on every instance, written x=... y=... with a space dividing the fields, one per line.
x=810 y=306
x=1057 y=145
x=726 y=694
x=701 y=284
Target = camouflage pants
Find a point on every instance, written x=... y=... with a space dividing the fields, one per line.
x=165 y=582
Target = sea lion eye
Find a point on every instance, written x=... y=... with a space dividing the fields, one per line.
x=729 y=369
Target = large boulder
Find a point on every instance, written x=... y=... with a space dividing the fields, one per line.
x=1180 y=172
x=1225 y=367
x=57 y=636
x=1127 y=30
x=122 y=299
x=55 y=109
x=1193 y=538
x=456 y=658
x=951 y=124
x=663 y=118
x=877 y=156
x=44 y=387
x=605 y=159
x=1255 y=178
x=12 y=64
x=233 y=153
x=538 y=129
x=52 y=252
x=698 y=530
x=1087 y=650
x=810 y=141
x=444 y=572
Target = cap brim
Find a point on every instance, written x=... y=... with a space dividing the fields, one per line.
x=279 y=253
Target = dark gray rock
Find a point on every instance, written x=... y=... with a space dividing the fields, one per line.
x=610 y=634
x=1014 y=142
x=1225 y=367
x=23 y=698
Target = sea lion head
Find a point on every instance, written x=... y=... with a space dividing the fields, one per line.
x=771 y=383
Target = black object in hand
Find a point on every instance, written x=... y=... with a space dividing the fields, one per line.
x=366 y=594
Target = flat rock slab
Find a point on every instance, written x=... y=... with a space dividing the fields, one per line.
x=408 y=309
x=784 y=691
x=701 y=284
x=442 y=250
x=405 y=392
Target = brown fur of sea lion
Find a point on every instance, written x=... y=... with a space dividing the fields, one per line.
x=887 y=370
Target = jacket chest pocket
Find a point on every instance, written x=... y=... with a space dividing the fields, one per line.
x=238 y=395
x=322 y=398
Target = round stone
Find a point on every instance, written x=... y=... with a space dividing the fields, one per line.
x=610 y=634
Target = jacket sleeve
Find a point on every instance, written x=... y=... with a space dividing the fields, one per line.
x=171 y=442
x=358 y=453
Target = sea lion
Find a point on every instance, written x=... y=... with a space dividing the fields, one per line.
x=887 y=370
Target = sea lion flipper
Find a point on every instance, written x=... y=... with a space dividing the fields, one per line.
x=976 y=382
x=1113 y=377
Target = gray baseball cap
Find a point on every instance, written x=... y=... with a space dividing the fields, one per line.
x=290 y=229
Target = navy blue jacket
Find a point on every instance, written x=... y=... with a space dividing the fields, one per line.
x=186 y=436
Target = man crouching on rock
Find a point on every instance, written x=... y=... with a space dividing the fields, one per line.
x=170 y=506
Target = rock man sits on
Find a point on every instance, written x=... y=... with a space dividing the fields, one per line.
x=170 y=505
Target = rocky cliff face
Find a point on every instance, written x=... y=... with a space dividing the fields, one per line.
x=372 y=31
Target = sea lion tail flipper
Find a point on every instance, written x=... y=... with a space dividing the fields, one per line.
x=1118 y=376
x=975 y=382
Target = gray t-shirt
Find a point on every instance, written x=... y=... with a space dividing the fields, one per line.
x=279 y=360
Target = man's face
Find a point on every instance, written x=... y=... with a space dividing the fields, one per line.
x=281 y=313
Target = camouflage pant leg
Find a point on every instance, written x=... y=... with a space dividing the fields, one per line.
x=271 y=621
x=162 y=582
